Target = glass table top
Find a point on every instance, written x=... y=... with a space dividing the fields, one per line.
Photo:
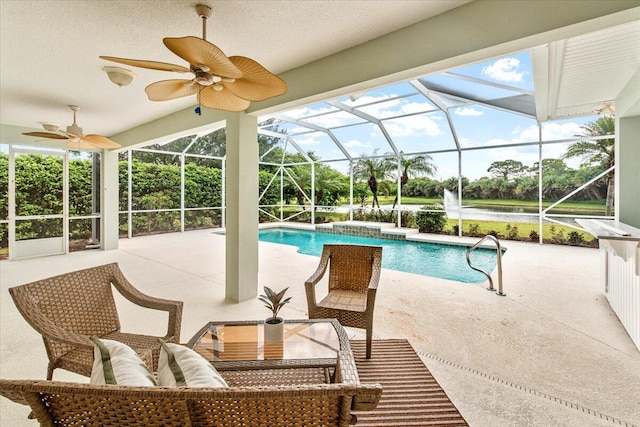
x=245 y=341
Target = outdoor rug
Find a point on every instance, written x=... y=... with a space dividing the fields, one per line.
x=411 y=397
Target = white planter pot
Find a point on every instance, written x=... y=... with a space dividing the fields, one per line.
x=273 y=332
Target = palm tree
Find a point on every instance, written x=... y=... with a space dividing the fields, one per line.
x=329 y=182
x=601 y=151
x=371 y=169
x=411 y=167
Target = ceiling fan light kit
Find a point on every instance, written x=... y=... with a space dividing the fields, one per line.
x=119 y=76
x=51 y=127
x=219 y=82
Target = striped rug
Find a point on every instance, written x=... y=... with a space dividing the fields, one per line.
x=411 y=397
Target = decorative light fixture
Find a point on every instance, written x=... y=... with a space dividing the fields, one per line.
x=119 y=76
x=607 y=108
x=51 y=127
x=219 y=82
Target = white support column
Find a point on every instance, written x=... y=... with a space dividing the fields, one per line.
x=540 y=209
x=242 y=207
x=109 y=207
x=627 y=175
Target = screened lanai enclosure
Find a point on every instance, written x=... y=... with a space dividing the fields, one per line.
x=493 y=141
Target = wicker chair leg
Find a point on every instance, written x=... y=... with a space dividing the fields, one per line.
x=50 y=372
x=369 y=337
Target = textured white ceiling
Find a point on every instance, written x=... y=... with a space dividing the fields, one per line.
x=49 y=49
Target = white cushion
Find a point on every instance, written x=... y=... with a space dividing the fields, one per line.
x=179 y=366
x=116 y=363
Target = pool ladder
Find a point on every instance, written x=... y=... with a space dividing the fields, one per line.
x=499 y=253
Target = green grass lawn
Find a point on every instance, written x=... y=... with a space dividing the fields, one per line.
x=524 y=229
x=595 y=207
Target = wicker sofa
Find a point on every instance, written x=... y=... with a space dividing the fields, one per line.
x=286 y=397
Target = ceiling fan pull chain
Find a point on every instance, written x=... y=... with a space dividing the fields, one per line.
x=198 y=109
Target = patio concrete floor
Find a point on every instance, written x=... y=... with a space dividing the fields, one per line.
x=550 y=353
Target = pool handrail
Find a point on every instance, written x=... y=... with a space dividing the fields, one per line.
x=499 y=263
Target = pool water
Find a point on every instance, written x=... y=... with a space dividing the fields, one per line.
x=428 y=259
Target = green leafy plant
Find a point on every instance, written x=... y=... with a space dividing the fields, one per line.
x=274 y=302
x=557 y=237
x=534 y=236
x=431 y=222
x=512 y=232
x=474 y=230
x=575 y=238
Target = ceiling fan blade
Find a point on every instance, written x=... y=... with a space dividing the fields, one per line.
x=80 y=144
x=257 y=83
x=152 y=65
x=222 y=100
x=46 y=135
x=165 y=90
x=197 y=52
x=100 y=141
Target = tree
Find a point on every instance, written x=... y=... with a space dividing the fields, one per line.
x=507 y=169
x=412 y=166
x=600 y=152
x=371 y=169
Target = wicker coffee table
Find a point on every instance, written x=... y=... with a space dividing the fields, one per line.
x=240 y=345
x=312 y=352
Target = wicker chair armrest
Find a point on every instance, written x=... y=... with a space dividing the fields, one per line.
x=346 y=370
x=320 y=270
x=310 y=284
x=41 y=322
x=375 y=270
x=174 y=308
x=54 y=332
x=367 y=397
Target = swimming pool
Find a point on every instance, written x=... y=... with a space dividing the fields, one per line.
x=428 y=259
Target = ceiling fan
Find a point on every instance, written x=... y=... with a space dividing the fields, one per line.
x=220 y=82
x=74 y=136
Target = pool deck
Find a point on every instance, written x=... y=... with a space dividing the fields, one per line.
x=550 y=353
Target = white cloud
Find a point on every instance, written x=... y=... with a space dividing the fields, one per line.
x=307 y=140
x=504 y=69
x=419 y=125
x=465 y=142
x=355 y=143
x=468 y=111
x=306 y=111
x=551 y=131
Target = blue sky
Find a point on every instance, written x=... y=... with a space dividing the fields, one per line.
x=427 y=128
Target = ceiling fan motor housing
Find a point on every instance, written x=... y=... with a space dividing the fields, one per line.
x=75 y=129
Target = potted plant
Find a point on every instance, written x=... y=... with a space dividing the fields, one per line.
x=274 y=325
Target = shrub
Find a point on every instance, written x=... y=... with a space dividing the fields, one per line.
x=431 y=222
x=512 y=232
x=533 y=236
x=494 y=233
x=575 y=238
x=456 y=229
x=474 y=230
x=557 y=237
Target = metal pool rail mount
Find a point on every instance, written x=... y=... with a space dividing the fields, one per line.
x=499 y=262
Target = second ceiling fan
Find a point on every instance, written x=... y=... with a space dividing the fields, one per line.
x=220 y=82
x=75 y=136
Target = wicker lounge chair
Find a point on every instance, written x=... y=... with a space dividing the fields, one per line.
x=68 y=308
x=354 y=272
x=285 y=397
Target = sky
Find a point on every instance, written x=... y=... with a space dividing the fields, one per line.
x=427 y=128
